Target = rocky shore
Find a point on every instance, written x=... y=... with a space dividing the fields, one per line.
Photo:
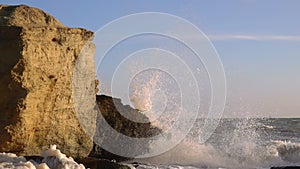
x=53 y=158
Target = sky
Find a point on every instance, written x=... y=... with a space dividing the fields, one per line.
x=258 y=43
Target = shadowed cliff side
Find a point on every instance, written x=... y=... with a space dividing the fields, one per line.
x=113 y=112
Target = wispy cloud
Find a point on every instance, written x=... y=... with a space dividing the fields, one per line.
x=254 y=37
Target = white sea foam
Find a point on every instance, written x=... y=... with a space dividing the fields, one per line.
x=286 y=151
x=53 y=158
x=187 y=153
x=191 y=155
x=268 y=126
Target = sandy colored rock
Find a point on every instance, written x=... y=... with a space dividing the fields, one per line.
x=25 y=16
x=38 y=58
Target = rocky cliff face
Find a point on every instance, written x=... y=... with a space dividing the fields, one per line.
x=38 y=57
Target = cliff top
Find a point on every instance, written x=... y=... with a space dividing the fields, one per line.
x=25 y=16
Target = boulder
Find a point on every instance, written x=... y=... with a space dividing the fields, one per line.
x=40 y=65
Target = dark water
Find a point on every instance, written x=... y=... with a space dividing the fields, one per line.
x=236 y=143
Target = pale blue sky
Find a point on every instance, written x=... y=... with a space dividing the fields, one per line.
x=258 y=42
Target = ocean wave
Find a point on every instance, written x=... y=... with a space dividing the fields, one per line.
x=287 y=151
x=193 y=155
x=268 y=126
x=189 y=155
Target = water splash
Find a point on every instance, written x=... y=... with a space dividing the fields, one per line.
x=157 y=95
x=143 y=93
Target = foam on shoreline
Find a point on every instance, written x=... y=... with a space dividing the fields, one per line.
x=52 y=158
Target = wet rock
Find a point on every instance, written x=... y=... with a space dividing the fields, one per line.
x=94 y=163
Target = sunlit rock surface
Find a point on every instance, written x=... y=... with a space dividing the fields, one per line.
x=38 y=58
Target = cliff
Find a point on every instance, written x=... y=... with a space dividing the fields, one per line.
x=38 y=58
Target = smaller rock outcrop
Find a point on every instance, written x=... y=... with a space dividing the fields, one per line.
x=113 y=112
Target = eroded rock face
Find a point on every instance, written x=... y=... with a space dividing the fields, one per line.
x=38 y=56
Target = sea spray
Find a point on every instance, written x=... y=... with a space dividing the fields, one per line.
x=143 y=94
x=157 y=95
x=241 y=143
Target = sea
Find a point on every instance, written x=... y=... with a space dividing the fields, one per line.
x=237 y=143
